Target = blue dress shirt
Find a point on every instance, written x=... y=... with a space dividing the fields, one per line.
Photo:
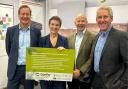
x=98 y=49
x=24 y=41
x=78 y=41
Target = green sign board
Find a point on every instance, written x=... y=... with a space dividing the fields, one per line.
x=49 y=64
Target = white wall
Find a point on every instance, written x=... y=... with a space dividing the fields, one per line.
x=3 y=55
x=120 y=14
x=68 y=10
x=3 y=65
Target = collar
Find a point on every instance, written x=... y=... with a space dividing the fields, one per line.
x=24 y=28
x=105 y=32
x=81 y=33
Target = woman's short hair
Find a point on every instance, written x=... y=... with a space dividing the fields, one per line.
x=57 y=18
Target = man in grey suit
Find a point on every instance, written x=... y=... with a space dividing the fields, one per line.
x=18 y=38
x=109 y=54
x=81 y=41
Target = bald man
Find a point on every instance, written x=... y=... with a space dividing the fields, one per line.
x=81 y=41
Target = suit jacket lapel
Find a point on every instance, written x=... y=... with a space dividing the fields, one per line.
x=58 y=41
x=93 y=47
x=31 y=36
x=83 y=41
x=16 y=36
x=73 y=41
x=107 y=42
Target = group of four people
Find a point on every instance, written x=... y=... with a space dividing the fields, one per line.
x=101 y=62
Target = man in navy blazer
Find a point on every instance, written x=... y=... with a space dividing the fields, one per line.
x=109 y=54
x=18 y=38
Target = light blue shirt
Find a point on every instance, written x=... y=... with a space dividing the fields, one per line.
x=24 y=41
x=98 y=49
x=79 y=38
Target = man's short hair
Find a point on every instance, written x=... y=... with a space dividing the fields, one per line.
x=109 y=9
x=24 y=6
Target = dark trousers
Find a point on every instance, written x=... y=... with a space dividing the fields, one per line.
x=19 y=78
x=52 y=84
x=98 y=82
x=76 y=84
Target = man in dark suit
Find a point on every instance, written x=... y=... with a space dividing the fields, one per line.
x=109 y=54
x=81 y=41
x=18 y=38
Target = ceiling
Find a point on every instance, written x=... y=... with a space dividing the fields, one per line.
x=90 y=3
x=107 y=2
